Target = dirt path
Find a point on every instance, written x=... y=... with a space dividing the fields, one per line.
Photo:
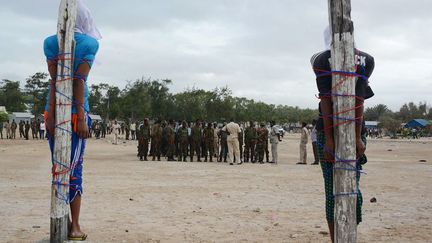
x=126 y=200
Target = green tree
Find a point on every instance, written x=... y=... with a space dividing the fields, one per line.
x=4 y=117
x=36 y=88
x=374 y=113
x=392 y=125
x=11 y=96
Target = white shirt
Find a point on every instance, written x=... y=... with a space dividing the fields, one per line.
x=133 y=127
x=233 y=129
x=116 y=128
x=42 y=126
x=313 y=135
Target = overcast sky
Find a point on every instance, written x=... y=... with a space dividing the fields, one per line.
x=260 y=49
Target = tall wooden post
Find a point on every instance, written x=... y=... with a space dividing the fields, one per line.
x=344 y=181
x=63 y=141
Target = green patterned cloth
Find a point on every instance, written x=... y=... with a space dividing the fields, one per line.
x=327 y=169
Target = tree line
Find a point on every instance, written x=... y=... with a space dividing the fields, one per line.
x=152 y=98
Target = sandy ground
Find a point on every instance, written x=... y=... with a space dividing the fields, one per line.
x=126 y=200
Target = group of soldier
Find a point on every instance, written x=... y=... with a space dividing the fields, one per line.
x=200 y=141
x=36 y=127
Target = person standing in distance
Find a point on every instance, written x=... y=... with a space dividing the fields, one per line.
x=274 y=140
x=233 y=130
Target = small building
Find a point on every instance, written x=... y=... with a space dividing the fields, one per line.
x=21 y=116
x=95 y=117
x=417 y=123
x=371 y=124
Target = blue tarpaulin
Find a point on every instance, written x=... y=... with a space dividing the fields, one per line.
x=417 y=123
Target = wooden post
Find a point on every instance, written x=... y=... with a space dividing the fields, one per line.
x=63 y=141
x=344 y=181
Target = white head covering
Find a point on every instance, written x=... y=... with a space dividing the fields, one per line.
x=327 y=37
x=84 y=21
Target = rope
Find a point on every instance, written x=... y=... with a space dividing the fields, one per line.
x=67 y=166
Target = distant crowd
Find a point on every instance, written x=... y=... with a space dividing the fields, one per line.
x=197 y=141
x=35 y=129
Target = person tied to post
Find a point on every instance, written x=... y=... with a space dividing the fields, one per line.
x=86 y=37
x=325 y=141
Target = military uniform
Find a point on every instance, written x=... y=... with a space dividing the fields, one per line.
x=184 y=142
x=156 y=141
x=21 y=129
x=208 y=143
x=170 y=142
x=240 y=138
x=13 y=129
x=1 y=129
x=262 y=142
x=250 y=141
x=223 y=136
x=27 y=129
x=196 y=142
x=143 y=141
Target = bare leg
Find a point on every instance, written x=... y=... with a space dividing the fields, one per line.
x=75 y=206
x=331 y=229
x=78 y=95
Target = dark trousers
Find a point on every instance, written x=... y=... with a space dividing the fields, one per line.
x=315 y=152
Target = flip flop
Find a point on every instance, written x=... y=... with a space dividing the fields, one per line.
x=78 y=238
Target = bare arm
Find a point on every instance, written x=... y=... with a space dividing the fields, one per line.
x=78 y=97
x=359 y=114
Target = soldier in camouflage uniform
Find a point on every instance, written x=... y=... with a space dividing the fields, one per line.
x=143 y=139
x=262 y=142
x=250 y=140
x=170 y=136
x=184 y=141
x=156 y=139
x=241 y=141
x=208 y=142
x=223 y=136
x=196 y=140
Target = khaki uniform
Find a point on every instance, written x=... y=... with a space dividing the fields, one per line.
x=216 y=142
x=303 y=143
x=233 y=130
x=274 y=140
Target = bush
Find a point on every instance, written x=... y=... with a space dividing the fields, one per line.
x=4 y=117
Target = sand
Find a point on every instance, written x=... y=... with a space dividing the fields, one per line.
x=126 y=200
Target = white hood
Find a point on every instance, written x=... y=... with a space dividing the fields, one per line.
x=85 y=23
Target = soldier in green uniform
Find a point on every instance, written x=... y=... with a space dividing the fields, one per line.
x=156 y=140
x=184 y=141
x=223 y=136
x=1 y=129
x=27 y=129
x=143 y=140
x=250 y=140
x=208 y=142
x=240 y=138
x=127 y=128
x=196 y=140
x=170 y=140
x=21 y=129
x=262 y=142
